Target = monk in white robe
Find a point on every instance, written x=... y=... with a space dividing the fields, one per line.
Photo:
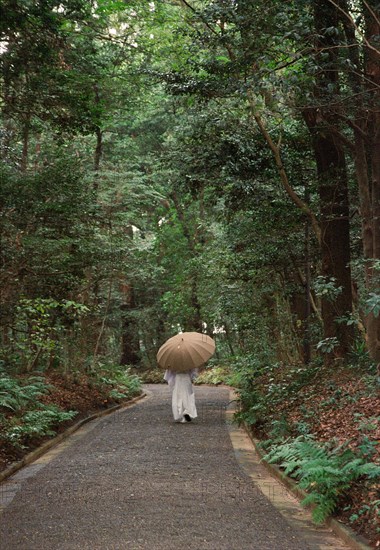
x=183 y=398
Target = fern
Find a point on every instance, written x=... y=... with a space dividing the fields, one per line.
x=37 y=423
x=14 y=396
x=324 y=473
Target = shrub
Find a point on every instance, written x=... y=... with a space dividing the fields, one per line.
x=123 y=384
x=36 y=423
x=325 y=473
x=14 y=395
x=214 y=375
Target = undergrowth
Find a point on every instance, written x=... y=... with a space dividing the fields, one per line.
x=35 y=423
x=325 y=473
x=321 y=427
x=121 y=382
x=22 y=415
x=14 y=395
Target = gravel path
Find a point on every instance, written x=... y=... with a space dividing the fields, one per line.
x=136 y=480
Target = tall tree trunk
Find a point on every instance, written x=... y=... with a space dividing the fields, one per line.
x=373 y=322
x=306 y=339
x=365 y=84
x=369 y=197
x=332 y=182
x=130 y=346
x=335 y=243
x=372 y=71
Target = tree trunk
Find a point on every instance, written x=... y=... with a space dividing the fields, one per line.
x=335 y=243
x=306 y=339
x=98 y=149
x=130 y=345
x=195 y=323
x=130 y=349
x=332 y=183
x=99 y=141
x=25 y=144
x=365 y=84
x=372 y=70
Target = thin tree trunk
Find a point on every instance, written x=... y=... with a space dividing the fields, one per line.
x=98 y=149
x=228 y=337
x=130 y=346
x=275 y=148
x=25 y=144
x=102 y=327
x=195 y=323
x=98 y=153
x=130 y=339
x=306 y=340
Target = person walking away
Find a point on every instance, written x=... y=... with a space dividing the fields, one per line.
x=183 y=398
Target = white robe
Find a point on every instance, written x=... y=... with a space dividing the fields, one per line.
x=183 y=398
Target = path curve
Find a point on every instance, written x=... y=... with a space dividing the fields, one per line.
x=136 y=480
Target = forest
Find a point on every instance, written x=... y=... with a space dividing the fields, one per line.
x=201 y=165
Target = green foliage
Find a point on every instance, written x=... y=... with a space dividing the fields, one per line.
x=214 y=375
x=359 y=356
x=23 y=416
x=325 y=473
x=15 y=395
x=152 y=376
x=123 y=383
x=368 y=510
x=263 y=388
x=327 y=345
x=372 y=304
x=36 y=423
x=42 y=326
x=327 y=288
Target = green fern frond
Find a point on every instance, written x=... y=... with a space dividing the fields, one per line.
x=325 y=472
x=370 y=469
x=290 y=467
x=323 y=510
x=310 y=499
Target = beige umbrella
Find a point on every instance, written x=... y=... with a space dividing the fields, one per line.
x=185 y=351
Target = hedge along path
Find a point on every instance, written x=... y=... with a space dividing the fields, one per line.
x=136 y=480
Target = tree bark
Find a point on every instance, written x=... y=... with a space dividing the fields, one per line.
x=365 y=83
x=99 y=142
x=98 y=149
x=372 y=71
x=130 y=351
x=332 y=182
x=25 y=144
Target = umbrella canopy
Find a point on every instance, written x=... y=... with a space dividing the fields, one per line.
x=185 y=351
